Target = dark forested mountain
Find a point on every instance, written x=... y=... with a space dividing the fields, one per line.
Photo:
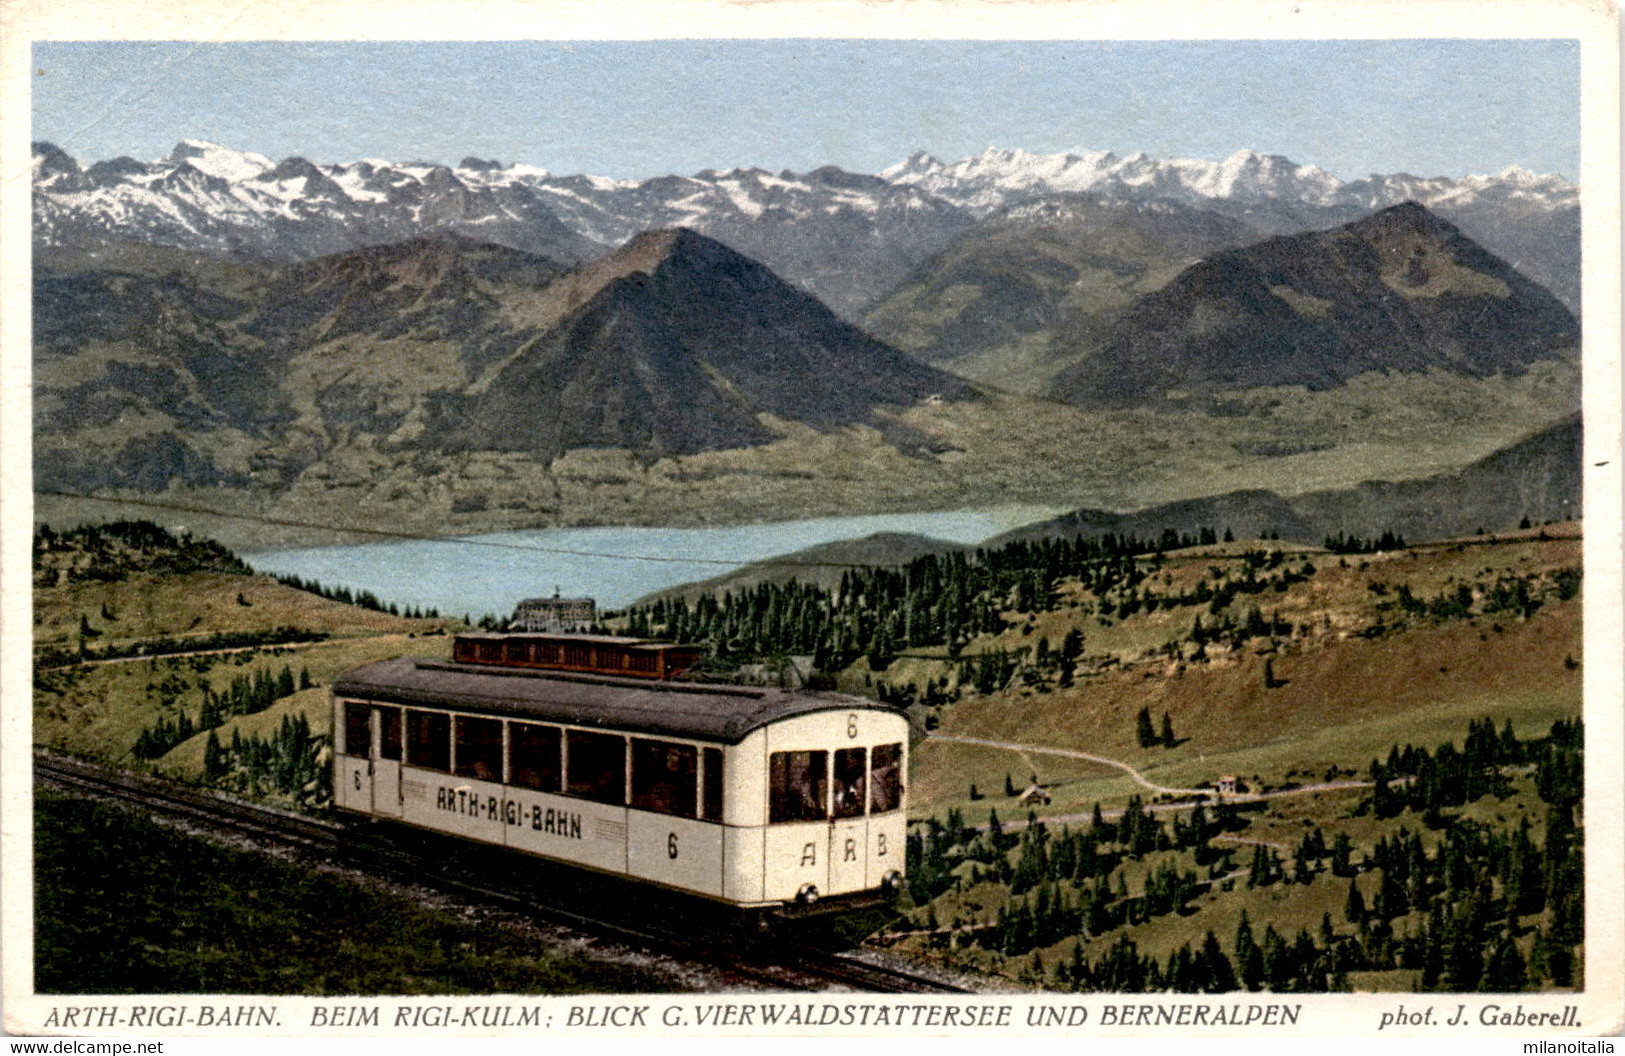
x=1538 y=478
x=1037 y=287
x=821 y=566
x=1401 y=290
x=677 y=344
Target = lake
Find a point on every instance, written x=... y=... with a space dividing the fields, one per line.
x=484 y=574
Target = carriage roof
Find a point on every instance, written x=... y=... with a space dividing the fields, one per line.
x=693 y=710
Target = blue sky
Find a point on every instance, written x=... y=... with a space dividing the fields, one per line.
x=632 y=109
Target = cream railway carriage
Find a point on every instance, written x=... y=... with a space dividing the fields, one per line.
x=756 y=797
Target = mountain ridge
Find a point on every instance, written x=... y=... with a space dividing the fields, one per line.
x=845 y=237
x=219 y=375
x=699 y=341
x=1538 y=477
x=1401 y=289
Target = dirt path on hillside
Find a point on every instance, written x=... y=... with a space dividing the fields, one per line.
x=1145 y=782
x=1072 y=753
x=1166 y=808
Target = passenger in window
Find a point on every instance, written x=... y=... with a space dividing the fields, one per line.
x=887 y=778
x=850 y=785
x=808 y=801
x=661 y=798
x=798 y=781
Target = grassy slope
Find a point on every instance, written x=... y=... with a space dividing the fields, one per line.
x=125 y=905
x=1288 y=907
x=99 y=709
x=1345 y=698
x=151 y=606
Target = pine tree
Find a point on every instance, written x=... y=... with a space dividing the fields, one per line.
x=1146 y=734
x=1220 y=974
x=1354 y=905
x=1505 y=973
x=1277 y=960
x=1342 y=855
x=1249 y=957
x=1167 y=737
x=1433 y=939
x=214 y=757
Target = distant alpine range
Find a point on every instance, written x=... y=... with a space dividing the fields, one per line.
x=467 y=344
x=844 y=237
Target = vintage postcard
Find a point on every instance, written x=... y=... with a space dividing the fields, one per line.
x=1071 y=520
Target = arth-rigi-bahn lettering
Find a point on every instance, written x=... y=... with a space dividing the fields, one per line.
x=511 y=812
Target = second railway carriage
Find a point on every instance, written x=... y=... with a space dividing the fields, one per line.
x=752 y=796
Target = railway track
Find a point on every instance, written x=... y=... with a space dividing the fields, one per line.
x=411 y=857
x=249 y=819
x=865 y=975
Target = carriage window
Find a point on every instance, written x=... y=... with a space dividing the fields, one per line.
x=389 y=721
x=664 y=777
x=849 y=782
x=885 y=778
x=357 y=728
x=797 y=783
x=534 y=756
x=712 y=809
x=479 y=748
x=428 y=739
x=597 y=767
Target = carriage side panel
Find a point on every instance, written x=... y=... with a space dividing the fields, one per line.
x=744 y=811
x=680 y=852
x=352 y=776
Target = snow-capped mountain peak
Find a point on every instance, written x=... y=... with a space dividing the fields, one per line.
x=212 y=198
x=916 y=163
x=998 y=177
x=218 y=161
